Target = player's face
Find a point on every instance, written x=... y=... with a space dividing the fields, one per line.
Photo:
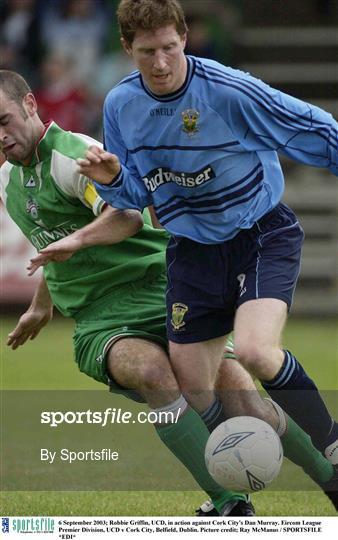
x=17 y=131
x=159 y=55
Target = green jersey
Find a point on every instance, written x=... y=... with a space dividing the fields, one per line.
x=49 y=199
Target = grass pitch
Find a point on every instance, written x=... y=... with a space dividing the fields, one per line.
x=46 y=363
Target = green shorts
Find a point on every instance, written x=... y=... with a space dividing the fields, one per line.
x=136 y=310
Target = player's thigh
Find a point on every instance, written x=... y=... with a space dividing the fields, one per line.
x=136 y=312
x=257 y=336
x=196 y=364
x=135 y=363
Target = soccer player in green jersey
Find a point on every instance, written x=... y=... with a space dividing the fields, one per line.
x=112 y=293
x=115 y=294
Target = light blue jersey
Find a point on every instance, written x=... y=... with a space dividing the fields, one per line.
x=206 y=155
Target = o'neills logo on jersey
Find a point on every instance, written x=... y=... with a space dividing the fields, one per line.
x=162 y=175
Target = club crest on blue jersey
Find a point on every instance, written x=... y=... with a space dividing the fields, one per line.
x=190 y=118
x=32 y=208
x=177 y=315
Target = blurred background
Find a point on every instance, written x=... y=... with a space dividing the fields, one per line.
x=69 y=52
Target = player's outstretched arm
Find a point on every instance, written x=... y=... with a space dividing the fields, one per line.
x=111 y=227
x=34 y=319
x=100 y=165
x=59 y=251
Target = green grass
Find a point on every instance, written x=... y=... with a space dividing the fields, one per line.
x=44 y=363
x=150 y=503
x=47 y=363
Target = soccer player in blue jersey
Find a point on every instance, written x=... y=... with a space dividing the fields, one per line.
x=199 y=141
x=120 y=317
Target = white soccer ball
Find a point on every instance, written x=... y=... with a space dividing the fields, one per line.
x=244 y=454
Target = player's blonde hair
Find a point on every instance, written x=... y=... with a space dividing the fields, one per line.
x=133 y=15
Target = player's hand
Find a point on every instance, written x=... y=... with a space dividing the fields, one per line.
x=99 y=165
x=28 y=327
x=59 y=251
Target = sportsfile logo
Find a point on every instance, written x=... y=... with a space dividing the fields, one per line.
x=28 y=525
x=163 y=175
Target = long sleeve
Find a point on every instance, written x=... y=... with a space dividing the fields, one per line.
x=128 y=189
x=263 y=118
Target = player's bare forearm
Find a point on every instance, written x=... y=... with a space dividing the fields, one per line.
x=59 y=251
x=111 y=227
x=41 y=298
x=99 y=165
x=34 y=319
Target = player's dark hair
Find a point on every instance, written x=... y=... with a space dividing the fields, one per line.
x=14 y=86
x=133 y=15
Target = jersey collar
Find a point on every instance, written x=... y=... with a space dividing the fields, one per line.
x=191 y=65
x=44 y=146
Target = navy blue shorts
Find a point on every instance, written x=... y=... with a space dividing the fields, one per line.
x=207 y=282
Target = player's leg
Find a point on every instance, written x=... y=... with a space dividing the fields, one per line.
x=196 y=370
x=197 y=322
x=283 y=399
x=200 y=305
x=195 y=366
x=199 y=368
x=196 y=316
x=143 y=367
x=197 y=311
x=269 y=279
x=240 y=397
x=257 y=334
x=112 y=333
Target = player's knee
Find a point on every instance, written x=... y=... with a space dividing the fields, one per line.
x=195 y=378
x=197 y=390
x=157 y=376
x=254 y=357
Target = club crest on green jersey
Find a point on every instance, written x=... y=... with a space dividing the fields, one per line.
x=190 y=118
x=177 y=315
x=32 y=208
